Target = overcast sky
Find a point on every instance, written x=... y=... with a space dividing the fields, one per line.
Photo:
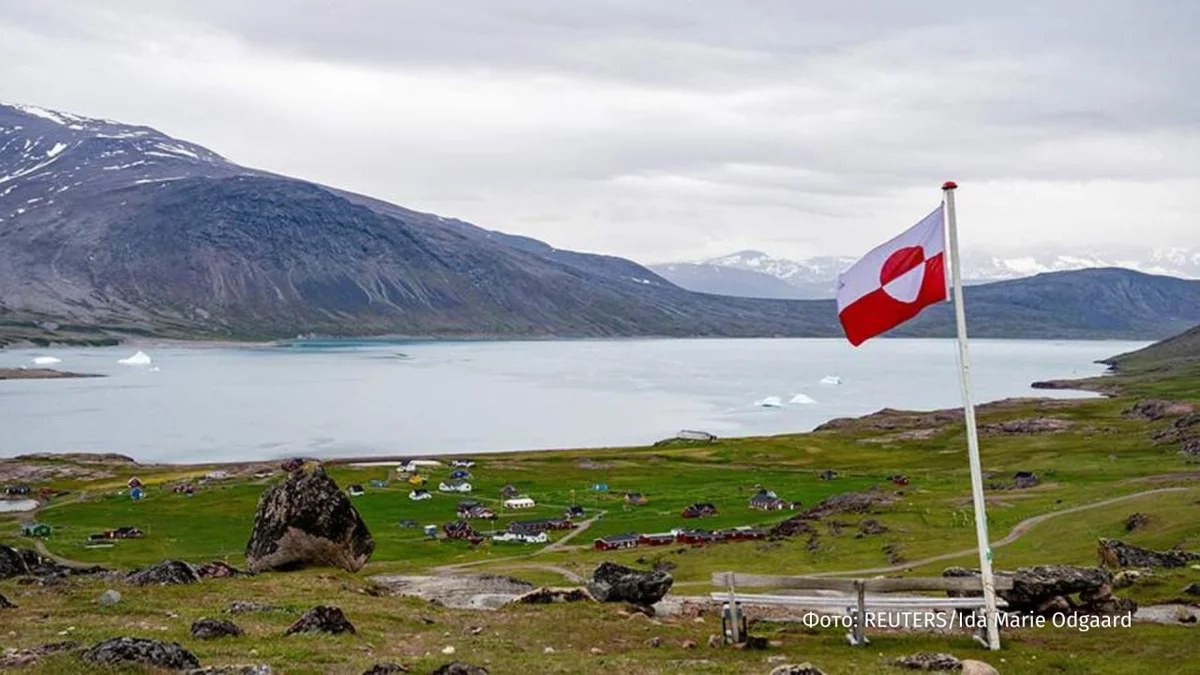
x=661 y=129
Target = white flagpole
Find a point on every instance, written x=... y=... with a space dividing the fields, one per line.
x=964 y=373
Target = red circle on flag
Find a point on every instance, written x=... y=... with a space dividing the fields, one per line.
x=901 y=261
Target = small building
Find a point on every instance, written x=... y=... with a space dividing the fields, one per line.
x=700 y=510
x=459 y=529
x=413 y=465
x=767 y=500
x=460 y=474
x=217 y=475
x=408 y=523
x=420 y=495
x=599 y=487
x=264 y=473
x=744 y=533
x=417 y=479
x=134 y=483
x=540 y=525
x=519 y=503
x=16 y=490
x=659 y=539
x=355 y=490
x=462 y=463
x=475 y=511
x=636 y=499
x=898 y=479
x=36 y=530
x=431 y=531
x=377 y=483
x=509 y=490
x=455 y=486
x=695 y=537
x=119 y=533
x=617 y=542
x=534 y=538
x=1025 y=479
x=828 y=475
x=573 y=511
x=184 y=489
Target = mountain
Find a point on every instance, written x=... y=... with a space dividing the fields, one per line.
x=111 y=229
x=1174 y=350
x=816 y=277
x=730 y=281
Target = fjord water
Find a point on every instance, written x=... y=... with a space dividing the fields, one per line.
x=362 y=398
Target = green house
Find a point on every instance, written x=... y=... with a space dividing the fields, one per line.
x=36 y=530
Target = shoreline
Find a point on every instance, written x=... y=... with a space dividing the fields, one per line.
x=42 y=374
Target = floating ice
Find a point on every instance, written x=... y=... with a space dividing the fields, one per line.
x=154 y=369
x=138 y=359
x=769 y=402
x=831 y=379
x=45 y=360
x=801 y=398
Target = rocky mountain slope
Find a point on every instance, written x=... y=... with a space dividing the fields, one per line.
x=107 y=228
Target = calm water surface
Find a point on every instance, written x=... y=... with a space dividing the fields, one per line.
x=372 y=398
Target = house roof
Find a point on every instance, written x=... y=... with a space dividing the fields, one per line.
x=630 y=536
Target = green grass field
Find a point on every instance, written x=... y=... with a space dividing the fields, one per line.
x=1102 y=455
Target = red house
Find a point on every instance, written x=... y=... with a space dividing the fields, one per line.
x=617 y=542
x=662 y=539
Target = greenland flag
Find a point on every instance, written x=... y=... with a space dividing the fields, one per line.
x=894 y=282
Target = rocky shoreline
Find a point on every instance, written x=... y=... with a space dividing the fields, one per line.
x=40 y=374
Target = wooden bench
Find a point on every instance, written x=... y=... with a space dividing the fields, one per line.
x=853 y=599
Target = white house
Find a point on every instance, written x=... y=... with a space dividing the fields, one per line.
x=539 y=538
x=420 y=495
x=513 y=537
x=414 y=464
x=455 y=486
x=462 y=463
x=519 y=503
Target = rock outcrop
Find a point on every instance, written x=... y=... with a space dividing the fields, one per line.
x=165 y=573
x=797 y=669
x=5 y=603
x=1050 y=589
x=550 y=595
x=1152 y=409
x=305 y=520
x=460 y=668
x=385 y=669
x=934 y=661
x=126 y=650
x=1116 y=553
x=216 y=569
x=322 y=619
x=616 y=583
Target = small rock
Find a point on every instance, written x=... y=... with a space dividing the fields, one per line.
x=801 y=669
x=548 y=650
x=122 y=650
x=698 y=619
x=688 y=644
x=108 y=598
x=972 y=667
x=243 y=607
x=595 y=651
x=1055 y=605
x=209 y=629
x=929 y=661
x=322 y=619
x=715 y=641
x=654 y=642
x=476 y=630
x=5 y=604
x=385 y=669
x=217 y=570
x=1135 y=521
x=1192 y=589
x=460 y=668
x=1125 y=578
x=448 y=650
x=1184 y=615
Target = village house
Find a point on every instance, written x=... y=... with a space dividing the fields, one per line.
x=355 y=490
x=459 y=529
x=16 y=490
x=420 y=495
x=377 y=483
x=519 y=503
x=898 y=479
x=828 y=475
x=455 y=486
x=520 y=538
x=767 y=500
x=617 y=542
x=1025 y=479
x=408 y=523
x=700 y=510
x=264 y=473
x=475 y=510
x=183 y=489
x=744 y=533
x=462 y=463
x=36 y=530
x=509 y=490
x=636 y=499
x=540 y=525
x=413 y=465
x=119 y=533
x=573 y=511
x=134 y=483
x=697 y=537
x=460 y=473
x=599 y=487
x=659 y=539
x=417 y=479
x=217 y=475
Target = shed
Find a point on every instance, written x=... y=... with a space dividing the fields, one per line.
x=420 y=495
x=455 y=486
x=355 y=490
x=636 y=498
x=599 y=487
x=519 y=503
x=36 y=530
x=573 y=511
x=829 y=474
x=659 y=539
x=509 y=490
x=700 y=510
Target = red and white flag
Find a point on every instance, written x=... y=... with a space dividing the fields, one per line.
x=895 y=281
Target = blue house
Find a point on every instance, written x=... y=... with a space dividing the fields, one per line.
x=460 y=474
x=600 y=487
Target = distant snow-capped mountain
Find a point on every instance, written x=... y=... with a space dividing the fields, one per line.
x=815 y=277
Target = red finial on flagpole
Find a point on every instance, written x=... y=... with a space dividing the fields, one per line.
x=949 y=185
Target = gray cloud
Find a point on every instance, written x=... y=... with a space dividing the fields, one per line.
x=662 y=129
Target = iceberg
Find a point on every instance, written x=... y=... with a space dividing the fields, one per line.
x=45 y=360
x=802 y=398
x=138 y=359
x=831 y=379
x=769 y=402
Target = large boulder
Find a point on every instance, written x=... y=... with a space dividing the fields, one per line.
x=305 y=520
x=460 y=668
x=797 y=669
x=126 y=650
x=934 y=661
x=165 y=573
x=15 y=562
x=616 y=583
x=210 y=629
x=1047 y=589
x=1116 y=553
